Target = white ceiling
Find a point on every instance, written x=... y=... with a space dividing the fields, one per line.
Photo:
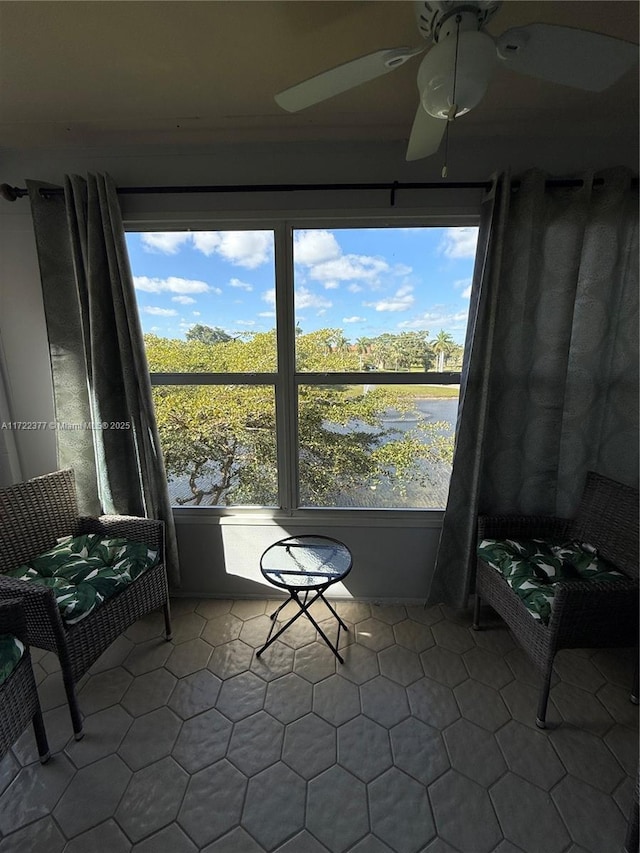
x=167 y=73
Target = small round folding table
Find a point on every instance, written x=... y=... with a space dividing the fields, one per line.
x=305 y=566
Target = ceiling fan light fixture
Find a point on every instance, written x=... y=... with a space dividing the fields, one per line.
x=475 y=67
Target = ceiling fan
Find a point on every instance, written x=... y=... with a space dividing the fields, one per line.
x=455 y=74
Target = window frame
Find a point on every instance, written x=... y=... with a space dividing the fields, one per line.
x=287 y=379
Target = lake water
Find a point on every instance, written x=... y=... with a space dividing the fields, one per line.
x=431 y=495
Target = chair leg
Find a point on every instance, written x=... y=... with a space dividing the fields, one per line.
x=476 y=613
x=41 y=737
x=167 y=621
x=74 y=709
x=541 y=716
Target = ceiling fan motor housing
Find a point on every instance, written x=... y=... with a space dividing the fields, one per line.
x=431 y=15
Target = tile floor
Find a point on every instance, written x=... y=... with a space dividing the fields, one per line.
x=422 y=742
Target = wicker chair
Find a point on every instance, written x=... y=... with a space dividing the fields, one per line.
x=585 y=614
x=19 y=703
x=33 y=515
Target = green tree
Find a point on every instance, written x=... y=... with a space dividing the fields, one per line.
x=219 y=441
x=442 y=346
x=207 y=334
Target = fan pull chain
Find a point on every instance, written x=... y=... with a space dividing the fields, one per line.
x=454 y=107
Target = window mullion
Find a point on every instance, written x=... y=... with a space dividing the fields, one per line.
x=286 y=391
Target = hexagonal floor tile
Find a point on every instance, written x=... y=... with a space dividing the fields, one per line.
x=363 y=748
x=147 y=628
x=487 y=667
x=103 y=734
x=530 y=754
x=453 y=795
x=389 y=613
x=586 y=757
x=360 y=664
x=113 y=656
x=301 y=633
x=195 y=693
x=456 y=638
x=241 y=696
x=432 y=703
x=303 y=842
x=33 y=793
x=275 y=661
x=189 y=657
x=104 y=689
x=247 y=608
x=211 y=608
x=352 y=611
x=255 y=743
x=230 y=659
x=581 y=708
x=187 y=626
x=384 y=701
x=274 y=807
x=474 y=752
x=616 y=700
x=481 y=704
x=336 y=700
x=152 y=798
x=288 y=697
x=213 y=802
x=419 y=750
x=171 y=839
x=413 y=635
x=400 y=811
x=309 y=746
x=400 y=665
x=92 y=796
x=148 y=692
x=107 y=837
x=203 y=740
x=444 y=666
x=577 y=670
x=593 y=818
x=222 y=629
x=623 y=743
x=337 y=809
x=255 y=631
x=150 y=738
x=147 y=656
x=528 y=816
x=314 y=662
x=233 y=842
x=374 y=634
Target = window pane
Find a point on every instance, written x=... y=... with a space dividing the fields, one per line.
x=206 y=300
x=218 y=444
x=391 y=299
x=382 y=446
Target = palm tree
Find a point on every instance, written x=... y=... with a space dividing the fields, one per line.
x=362 y=346
x=442 y=347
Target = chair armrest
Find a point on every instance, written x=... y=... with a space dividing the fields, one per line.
x=522 y=527
x=12 y=619
x=147 y=530
x=593 y=602
x=40 y=609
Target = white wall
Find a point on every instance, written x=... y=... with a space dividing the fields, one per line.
x=222 y=557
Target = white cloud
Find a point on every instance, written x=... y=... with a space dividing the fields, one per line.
x=266 y=314
x=235 y=282
x=172 y=284
x=354 y=288
x=247 y=249
x=466 y=293
x=183 y=300
x=463 y=284
x=460 y=242
x=313 y=247
x=165 y=242
x=402 y=300
x=436 y=320
x=196 y=313
x=331 y=285
x=245 y=322
x=306 y=299
x=350 y=268
x=159 y=312
x=353 y=319
x=269 y=296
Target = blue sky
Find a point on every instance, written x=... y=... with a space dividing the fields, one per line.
x=364 y=281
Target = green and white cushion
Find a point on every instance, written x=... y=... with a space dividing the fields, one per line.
x=532 y=567
x=84 y=571
x=11 y=650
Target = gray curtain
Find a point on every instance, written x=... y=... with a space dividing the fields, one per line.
x=550 y=381
x=100 y=374
x=10 y=471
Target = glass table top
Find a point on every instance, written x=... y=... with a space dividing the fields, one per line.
x=305 y=562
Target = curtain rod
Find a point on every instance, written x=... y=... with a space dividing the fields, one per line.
x=10 y=193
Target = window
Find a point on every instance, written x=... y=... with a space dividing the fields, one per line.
x=305 y=367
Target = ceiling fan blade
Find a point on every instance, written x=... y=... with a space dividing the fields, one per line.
x=426 y=135
x=344 y=77
x=573 y=57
